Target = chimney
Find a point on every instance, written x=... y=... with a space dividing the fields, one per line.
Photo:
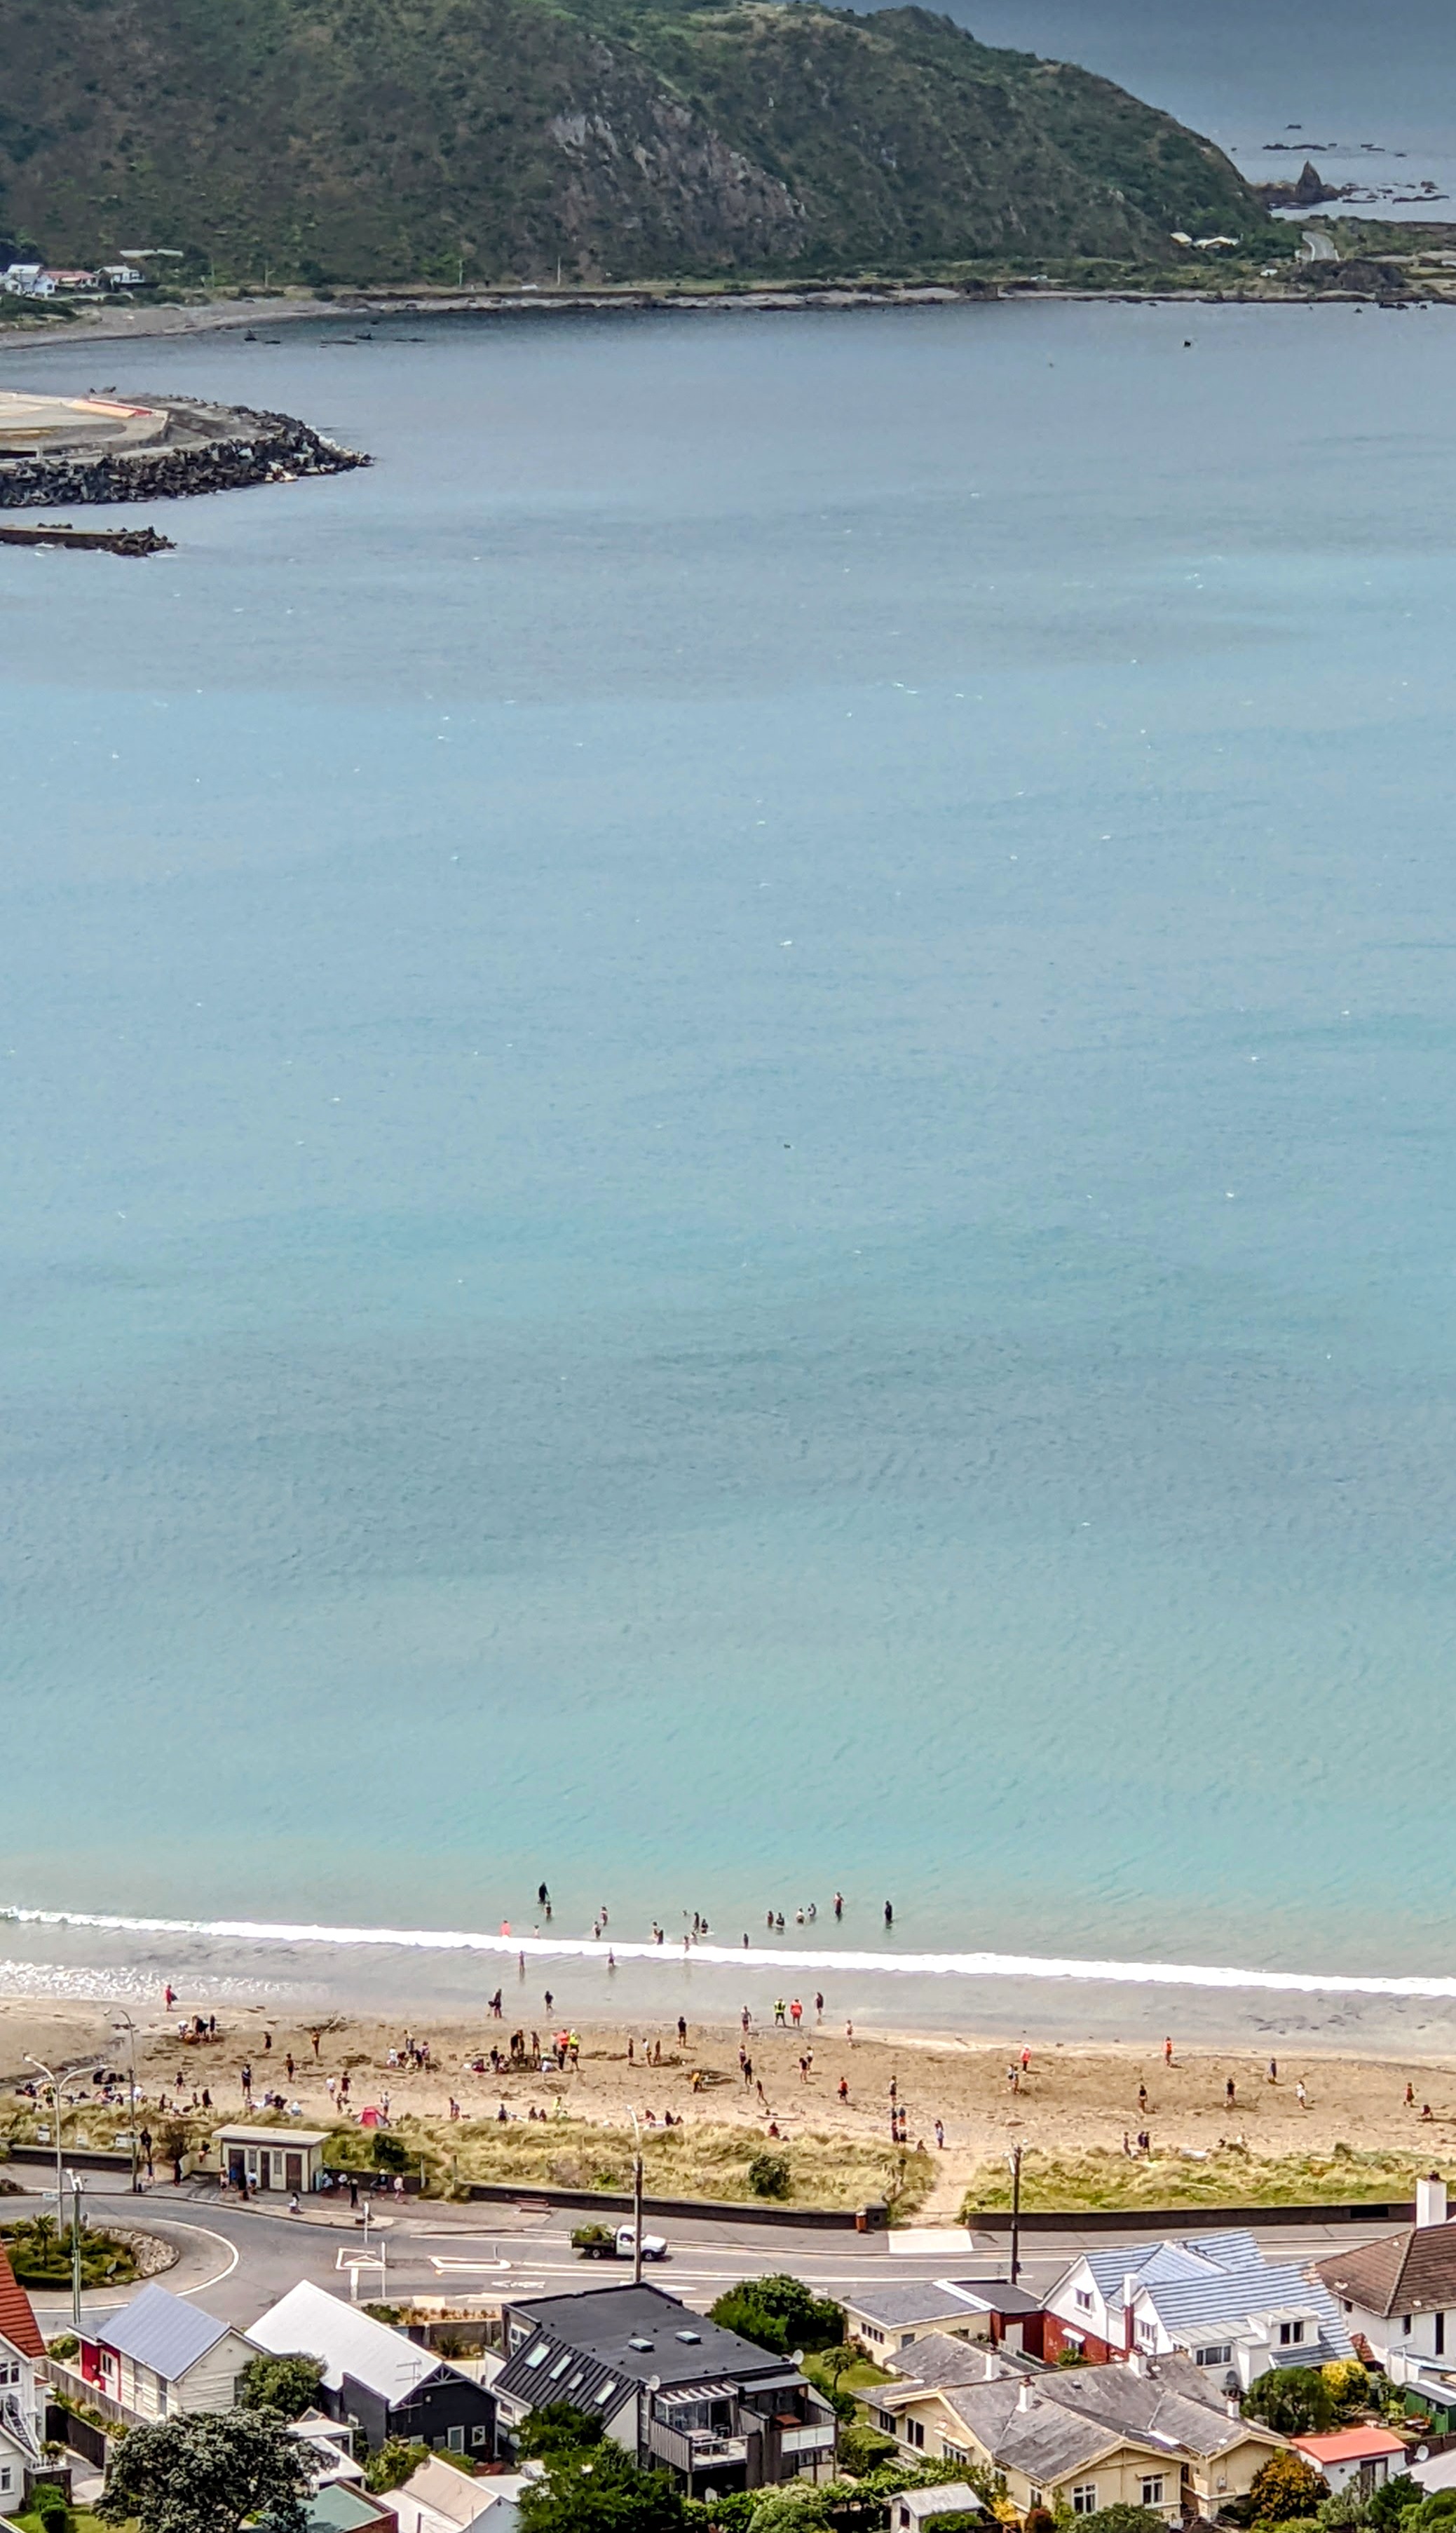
x=992 y=2369
x=1023 y=2393
x=1431 y=2199
x=1129 y=2296
x=1135 y=2361
x=1231 y=2405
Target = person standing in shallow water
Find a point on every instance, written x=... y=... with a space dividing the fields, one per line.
x=889 y=1915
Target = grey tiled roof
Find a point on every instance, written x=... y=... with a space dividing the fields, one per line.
x=1077 y=2414
x=897 y=2307
x=935 y=2359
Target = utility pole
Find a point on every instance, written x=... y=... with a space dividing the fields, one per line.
x=1014 y=2160
x=636 y=2204
x=76 y=2186
x=124 y=2024
x=55 y=2089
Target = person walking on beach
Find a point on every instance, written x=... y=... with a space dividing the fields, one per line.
x=819 y=2004
x=940 y=2134
x=683 y=2031
x=1168 y=2050
x=746 y=2020
x=778 y=2009
x=796 y=2014
x=1025 y=2059
x=844 y=2089
x=1142 y=2099
x=1301 y=2096
x=1228 y=2093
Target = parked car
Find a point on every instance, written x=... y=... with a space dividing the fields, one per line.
x=601 y=2243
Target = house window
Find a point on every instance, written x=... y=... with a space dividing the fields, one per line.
x=1033 y=2493
x=907 y=2339
x=1084 y=2498
x=954 y=2453
x=1085 y=2299
x=539 y=2356
x=480 y=2436
x=1440 y=2334
x=455 y=2439
x=1152 y=2489
x=5 y=2481
x=1405 y=2326
x=1220 y=2353
x=1292 y=2332
x=1147 y=2333
x=914 y=2431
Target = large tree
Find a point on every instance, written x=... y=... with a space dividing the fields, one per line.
x=780 y=2313
x=288 y=2386
x=1286 y=2489
x=209 y=2474
x=599 y=2489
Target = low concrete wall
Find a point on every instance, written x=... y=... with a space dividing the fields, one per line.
x=74 y=2159
x=726 y=2211
x=1184 y=2221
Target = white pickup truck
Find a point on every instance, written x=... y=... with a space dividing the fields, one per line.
x=601 y=2243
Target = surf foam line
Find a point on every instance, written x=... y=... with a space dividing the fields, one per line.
x=967 y=1966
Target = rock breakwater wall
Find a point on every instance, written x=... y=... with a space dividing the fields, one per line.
x=254 y=448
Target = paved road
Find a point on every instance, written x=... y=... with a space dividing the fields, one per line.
x=1321 y=246
x=238 y=2259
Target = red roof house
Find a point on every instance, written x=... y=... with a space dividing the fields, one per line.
x=18 y=2322
x=1363 y=2457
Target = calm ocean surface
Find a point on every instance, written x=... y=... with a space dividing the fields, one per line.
x=726 y=1122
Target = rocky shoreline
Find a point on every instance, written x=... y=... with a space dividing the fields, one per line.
x=249 y=448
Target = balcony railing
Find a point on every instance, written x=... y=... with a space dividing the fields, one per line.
x=694 y=2449
x=815 y=2439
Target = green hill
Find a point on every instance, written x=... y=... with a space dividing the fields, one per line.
x=377 y=140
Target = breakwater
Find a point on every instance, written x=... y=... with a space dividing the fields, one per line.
x=189 y=448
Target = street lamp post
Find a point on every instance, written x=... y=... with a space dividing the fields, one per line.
x=124 y=2024
x=1014 y=2160
x=54 y=2083
x=637 y=2201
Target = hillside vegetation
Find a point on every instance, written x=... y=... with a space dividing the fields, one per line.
x=392 y=141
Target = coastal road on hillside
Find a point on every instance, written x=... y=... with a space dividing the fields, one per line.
x=238 y=2259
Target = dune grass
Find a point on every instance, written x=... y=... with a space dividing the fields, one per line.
x=1229 y=2176
x=702 y=2159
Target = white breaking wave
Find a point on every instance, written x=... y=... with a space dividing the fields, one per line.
x=965 y=1966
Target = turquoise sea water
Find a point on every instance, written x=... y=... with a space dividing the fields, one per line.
x=725 y=1110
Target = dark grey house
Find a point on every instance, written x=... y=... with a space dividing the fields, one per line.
x=381 y=2382
x=678 y=2392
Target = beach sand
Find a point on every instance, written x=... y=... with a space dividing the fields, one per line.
x=1074 y=2101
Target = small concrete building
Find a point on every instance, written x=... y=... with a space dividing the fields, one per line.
x=286 y=2159
x=916 y=2508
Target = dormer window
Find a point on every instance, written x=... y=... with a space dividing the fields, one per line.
x=1085 y=2299
x=1291 y=2333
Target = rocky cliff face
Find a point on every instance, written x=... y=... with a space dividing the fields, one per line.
x=356 y=141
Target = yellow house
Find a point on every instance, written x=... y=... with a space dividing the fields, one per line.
x=1146 y=2434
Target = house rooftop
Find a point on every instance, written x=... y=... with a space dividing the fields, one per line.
x=1074 y=2416
x=163 y=2332
x=310 y=2323
x=935 y=2359
x=1216 y=2280
x=1406 y=2273
x=1349 y=2444
x=897 y=2307
x=586 y=2347
x=18 y=2322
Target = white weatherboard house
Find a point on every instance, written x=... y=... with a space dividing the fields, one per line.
x=22 y=2396
x=161 y=2356
x=1213 y=2298
x=1398 y=2295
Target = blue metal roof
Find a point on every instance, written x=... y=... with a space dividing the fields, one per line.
x=160 y=2331
x=1215 y=2278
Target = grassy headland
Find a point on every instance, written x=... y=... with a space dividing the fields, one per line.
x=355 y=144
